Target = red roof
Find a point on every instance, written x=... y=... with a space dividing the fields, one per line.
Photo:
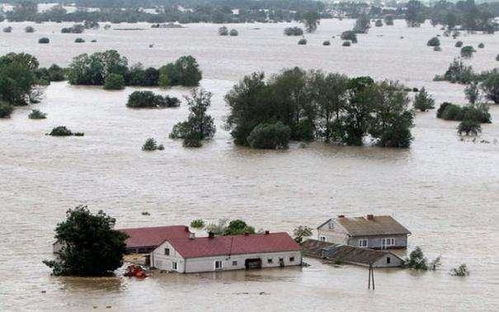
x=154 y=236
x=234 y=245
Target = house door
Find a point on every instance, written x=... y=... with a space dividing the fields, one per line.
x=253 y=263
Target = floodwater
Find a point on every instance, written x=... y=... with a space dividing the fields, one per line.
x=444 y=190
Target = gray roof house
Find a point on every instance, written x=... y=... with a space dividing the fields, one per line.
x=376 y=232
x=335 y=253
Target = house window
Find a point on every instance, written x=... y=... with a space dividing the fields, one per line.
x=331 y=225
x=218 y=265
x=270 y=260
x=174 y=266
x=322 y=238
x=388 y=260
x=167 y=251
x=291 y=259
x=362 y=242
x=234 y=263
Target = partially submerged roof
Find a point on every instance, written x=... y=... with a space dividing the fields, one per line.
x=154 y=236
x=373 y=225
x=234 y=245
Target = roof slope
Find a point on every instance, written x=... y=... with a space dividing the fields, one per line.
x=234 y=245
x=380 y=225
x=154 y=236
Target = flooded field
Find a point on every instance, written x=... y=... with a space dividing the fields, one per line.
x=444 y=190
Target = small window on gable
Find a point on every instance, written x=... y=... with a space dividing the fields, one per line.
x=234 y=263
x=167 y=251
x=331 y=225
x=388 y=260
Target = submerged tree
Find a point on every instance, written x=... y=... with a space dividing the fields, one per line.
x=423 y=101
x=301 y=232
x=89 y=244
x=199 y=125
x=414 y=14
x=310 y=20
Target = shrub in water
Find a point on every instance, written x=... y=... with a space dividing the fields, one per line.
x=61 y=131
x=79 y=40
x=461 y=270
x=481 y=45
x=378 y=23
x=469 y=127
x=438 y=49
x=5 y=109
x=7 y=29
x=326 y=43
x=151 y=145
x=233 y=33
x=223 y=31
x=433 y=42
x=114 y=82
x=349 y=35
x=44 y=40
x=423 y=101
x=36 y=114
x=459 y=44
x=389 y=20
x=346 y=43
x=302 y=41
x=467 y=51
x=293 y=31
x=29 y=29
x=147 y=99
x=270 y=136
x=197 y=224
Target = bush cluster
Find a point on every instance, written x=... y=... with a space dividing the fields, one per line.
x=75 y=29
x=44 y=40
x=449 y=111
x=150 y=145
x=64 y=131
x=293 y=31
x=36 y=114
x=147 y=99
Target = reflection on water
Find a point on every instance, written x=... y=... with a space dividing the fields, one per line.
x=444 y=190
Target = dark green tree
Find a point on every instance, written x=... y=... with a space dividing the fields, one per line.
x=310 y=20
x=90 y=245
x=423 y=101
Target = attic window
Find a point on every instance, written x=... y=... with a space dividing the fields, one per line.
x=167 y=251
x=331 y=224
x=388 y=260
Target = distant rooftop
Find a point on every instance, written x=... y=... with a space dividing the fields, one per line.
x=153 y=236
x=372 y=225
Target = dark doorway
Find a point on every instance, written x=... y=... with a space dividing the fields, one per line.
x=253 y=264
x=147 y=260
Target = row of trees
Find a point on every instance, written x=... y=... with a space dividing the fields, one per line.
x=208 y=12
x=97 y=68
x=304 y=106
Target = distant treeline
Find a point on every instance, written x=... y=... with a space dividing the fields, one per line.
x=169 y=11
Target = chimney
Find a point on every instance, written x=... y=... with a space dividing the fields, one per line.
x=192 y=236
x=267 y=232
x=211 y=235
x=370 y=217
x=341 y=216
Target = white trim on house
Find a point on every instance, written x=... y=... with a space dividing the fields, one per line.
x=364 y=243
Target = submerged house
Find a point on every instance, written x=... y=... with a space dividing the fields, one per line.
x=146 y=239
x=224 y=253
x=351 y=255
x=376 y=232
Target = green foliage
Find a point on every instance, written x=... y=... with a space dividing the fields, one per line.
x=490 y=86
x=44 y=40
x=349 y=35
x=302 y=232
x=389 y=20
x=293 y=31
x=79 y=40
x=163 y=81
x=199 y=125
x=7 y=29
x=114 y=82
x=75 y=29
x=467 y=51
x=61 y=131
x=270 y=136
x=438 y=49
x=481 y=46
x=36 y=114
x=469 y=127
x=93 y=69
x=423 y=101
x=90 y=245
x=310 y=20
x=458 y=44
x=416 y=260
x=414 y=14
x=223 y=31
x=458 y=73
x=147 y=99
x=185 y=72
x=346 y=43
x=472 y=92
x=234 y=227
x=29 y=29
x=17 y=79
x=5 y=109
x=56 y=73
x=302 y=41
x=326 y=43
x=433 y=42
x=478 y=112
x=198 y=224
x=378 y=23
x=330 y=107
x=461 y=270
x=233 y=33
x=151 y=145
x=362 y=24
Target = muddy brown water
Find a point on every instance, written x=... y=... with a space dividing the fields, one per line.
x=444 y=190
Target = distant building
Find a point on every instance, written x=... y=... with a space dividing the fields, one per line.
x=224 y=253
x=351 y=255
x=376 y=232
x=146 y=239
